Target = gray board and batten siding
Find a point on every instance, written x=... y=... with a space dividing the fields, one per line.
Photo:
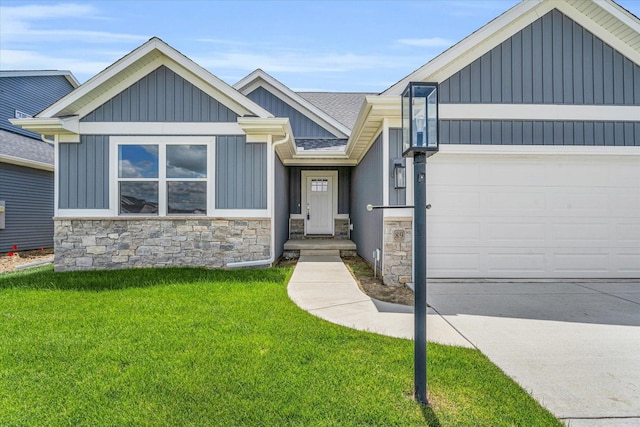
x=295 y=187
x=29 y=94
x=556 y=61
x=241 y=174
x=28 y=194
x=397 y=196
x=366 y=188
x=302 y=126
x=553 y=60
x=281 y=207
x=161 y=96
x=164 y=96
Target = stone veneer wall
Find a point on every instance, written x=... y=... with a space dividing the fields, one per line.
x=87 y=244
x=397 y=251
x=340 y=228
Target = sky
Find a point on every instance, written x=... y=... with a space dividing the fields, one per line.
x=356 y=46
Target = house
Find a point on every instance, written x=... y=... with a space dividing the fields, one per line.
x=26 y=160
x=538 y=175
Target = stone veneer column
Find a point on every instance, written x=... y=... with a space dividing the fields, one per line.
x=112 y=243
x=397 y=251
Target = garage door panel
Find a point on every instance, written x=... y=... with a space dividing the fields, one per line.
x=534 y=217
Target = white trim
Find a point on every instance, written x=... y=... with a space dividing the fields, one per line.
x=40 y=73
x=543 y=150
x=333 y=174
x=401 y=213
x=238 y=213
x=162 y=142
x=56 y=179
x=385 y=161
x=157 y=47
x=538 y=112
x=259 y=78
x=85 y=213
x=160 y=128
x=18 y=161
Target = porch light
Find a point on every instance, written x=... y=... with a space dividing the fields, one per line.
x=399 y=174
x=420 y=119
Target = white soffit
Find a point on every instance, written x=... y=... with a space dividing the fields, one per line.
x=260 y=78
x=603 y=18
x=140 y=62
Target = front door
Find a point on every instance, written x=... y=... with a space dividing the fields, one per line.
x=319 y=212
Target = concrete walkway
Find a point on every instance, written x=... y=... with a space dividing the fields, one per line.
x=574 y=345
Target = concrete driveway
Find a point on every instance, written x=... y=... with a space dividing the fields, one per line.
x=574 y=345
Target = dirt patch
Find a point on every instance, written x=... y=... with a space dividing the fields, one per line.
x=362 y=271
x=8 y=263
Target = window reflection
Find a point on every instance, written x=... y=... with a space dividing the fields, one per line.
x=186 y=161
x=139 y=197
x=187 y=197
x=138 y=161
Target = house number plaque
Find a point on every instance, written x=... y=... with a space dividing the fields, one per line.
x=398 y=235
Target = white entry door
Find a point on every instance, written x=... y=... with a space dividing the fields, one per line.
x=319 y=209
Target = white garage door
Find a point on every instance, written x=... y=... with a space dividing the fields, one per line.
x=538 y=216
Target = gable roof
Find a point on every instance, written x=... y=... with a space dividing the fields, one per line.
x=605 y=19
x=135 y=65
x=24 y=151
x=259 y=78
x=42 y=73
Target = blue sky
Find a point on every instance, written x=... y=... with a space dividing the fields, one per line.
x=308 y=45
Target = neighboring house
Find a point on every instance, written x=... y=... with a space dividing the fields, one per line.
x=26 y=161
x=538 y=174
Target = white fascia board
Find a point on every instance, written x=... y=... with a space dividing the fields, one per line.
x=173 y=55
x=374 y=110
x=538 y=150
x=539 y=112
x=49 y=126
x=318 y=162
x=40 y=73
x=466 y=46
x=18 y=161
x=259 y=78
x=160 y=128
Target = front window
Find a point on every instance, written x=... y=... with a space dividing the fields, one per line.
x=162 y=179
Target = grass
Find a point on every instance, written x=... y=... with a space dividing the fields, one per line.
x=205 y=347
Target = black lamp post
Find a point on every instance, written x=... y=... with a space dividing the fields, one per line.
x=420 y=140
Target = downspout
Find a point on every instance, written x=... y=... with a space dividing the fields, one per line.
x=273 y=222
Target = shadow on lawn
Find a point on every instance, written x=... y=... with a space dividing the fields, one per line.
x=107 y=280
x=430 y=417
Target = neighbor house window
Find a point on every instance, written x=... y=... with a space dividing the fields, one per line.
x=162 y=179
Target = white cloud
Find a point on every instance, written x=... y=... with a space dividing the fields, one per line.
x=29 y=60
x=427 y=42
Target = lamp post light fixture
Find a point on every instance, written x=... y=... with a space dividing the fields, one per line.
x=420 y=140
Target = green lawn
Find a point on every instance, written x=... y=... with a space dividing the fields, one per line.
x=199 y=347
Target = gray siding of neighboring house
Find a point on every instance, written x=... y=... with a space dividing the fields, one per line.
x=29 y=94
x=519 y=132
x=241 y=174
x=552 y=61
x=83 y=173
x=161 y=96
x=366 y=188
x=281 y=208
x=295 y=189
x=396 y=196
x=302 y=126
x=28 y=194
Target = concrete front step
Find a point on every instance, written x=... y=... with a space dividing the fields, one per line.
x=317 y=247
x=320 y=252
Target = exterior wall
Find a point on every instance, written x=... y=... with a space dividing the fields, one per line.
x=89 y=244
x=83 y=173
x=161 y=96
x=398 y=251
x=552 y=61
x=302 y=126
x=281 y=207
x=28 y=194
x=341 y=229
x=295 y=190
x=29 y=94
x=241 y=174
x=521 y=132
x=366 y=188
x=397 y=197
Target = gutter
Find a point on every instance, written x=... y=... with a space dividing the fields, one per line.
x=269 y=260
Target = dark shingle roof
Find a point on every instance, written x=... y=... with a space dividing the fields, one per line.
x=22 y=147
x=342 y=106
x=321 y=144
